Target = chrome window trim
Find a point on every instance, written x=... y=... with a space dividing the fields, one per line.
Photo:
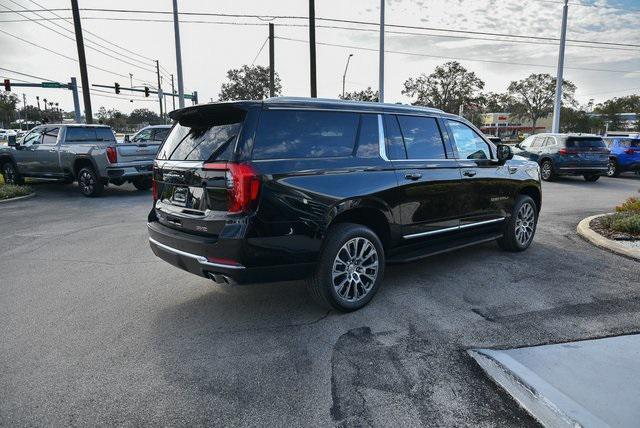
x=381 y=141
x=449 y=229
x=200 y=259
x=433 y=114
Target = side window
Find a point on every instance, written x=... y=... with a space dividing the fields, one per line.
x=537 y=141
x=422 y=138
x=393 y=138
x=469 y=144
x=33 y=137
x=144 y=135
x=283 y=134
x=79 y=134
x=50 y=136
x=368 y=142
x=160 y=134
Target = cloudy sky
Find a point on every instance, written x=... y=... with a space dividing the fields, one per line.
x=212 y=44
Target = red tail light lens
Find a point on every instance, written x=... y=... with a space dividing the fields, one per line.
x=112 y=154
x=243 y=185
x=154 y=190
x=567 y=152
x=630 y=151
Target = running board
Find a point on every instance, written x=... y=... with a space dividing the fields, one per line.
x=442 y=247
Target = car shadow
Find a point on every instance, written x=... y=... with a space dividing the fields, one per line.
x=57 y=190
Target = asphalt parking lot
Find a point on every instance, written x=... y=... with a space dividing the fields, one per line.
x=97 y=331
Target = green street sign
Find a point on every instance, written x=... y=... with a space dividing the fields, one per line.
x=53 y=85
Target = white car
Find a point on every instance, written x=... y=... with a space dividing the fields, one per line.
x=4 y=133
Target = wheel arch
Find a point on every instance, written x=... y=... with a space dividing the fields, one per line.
x=372 y=213
x=81 y=162
x=534 y=193
x=4 y=158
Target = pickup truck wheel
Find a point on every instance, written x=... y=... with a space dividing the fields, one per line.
x=520 y=228
x=143 y=183
x=11 y=175
x=350 y=268
x=90 y=184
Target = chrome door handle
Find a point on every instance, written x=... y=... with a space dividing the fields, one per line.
x=468 y=173
x=413 y=176
x=513 y=169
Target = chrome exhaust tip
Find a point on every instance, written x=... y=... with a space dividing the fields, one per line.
x=221 y=279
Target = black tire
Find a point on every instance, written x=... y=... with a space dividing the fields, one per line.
x=321 y=285
x=613 y=170
x=90 y=184
x=10 y=174
x=143 y=183
x=591 y=177
x=547 y=172
x=514 y=225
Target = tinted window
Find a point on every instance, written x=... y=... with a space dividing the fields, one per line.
x=368 y=142
x=50 y=136
x=393 y=138
x=160 y=134
x=629 y=142
x=144 y=135
x=200 y=142
x=77 y=134
x=305 y=134
x=469 y=144
x=422 y=138
x=537 y=141
x=584 y=143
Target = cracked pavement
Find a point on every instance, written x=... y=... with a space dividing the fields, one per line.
x=96 y=331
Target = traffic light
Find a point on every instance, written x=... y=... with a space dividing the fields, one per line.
x=117 y=87
x=146 y=91
x=7 y=85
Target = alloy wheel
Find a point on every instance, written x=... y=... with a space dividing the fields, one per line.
x=10 y=173
x=546 y=170
x=86 y=182
x=355 y=269
x=611 y=169
x=525 y=224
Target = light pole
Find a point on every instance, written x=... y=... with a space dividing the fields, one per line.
x=176 y=31
x=381 y=55
x=344 y=76
x=559 y=79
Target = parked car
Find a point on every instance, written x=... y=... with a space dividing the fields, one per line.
x=624 y=154
x=4 y=133
x=154 y=134
x=84 y=153
x=566 y=154
x=331 y=191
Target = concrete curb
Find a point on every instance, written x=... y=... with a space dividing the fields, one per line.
x=598 y=240
x=19 y=198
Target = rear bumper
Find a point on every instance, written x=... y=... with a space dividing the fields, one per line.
x=129 y=169
x=188 y=253
x=580 y=170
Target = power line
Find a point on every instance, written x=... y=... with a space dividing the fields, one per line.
x=28 y=75
x=348 y=21
x=73 y=39
x=453 y=58
x=260 y=51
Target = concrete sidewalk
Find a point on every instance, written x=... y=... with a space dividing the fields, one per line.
x=592 y=383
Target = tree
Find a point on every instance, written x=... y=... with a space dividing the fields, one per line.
x=447 y=88
x=578 y=120
x=493 y=102
x=8 y=103
x=364 y=95
x=534 y=96
x=250 y=82
x=143 y=115
x=610 y=112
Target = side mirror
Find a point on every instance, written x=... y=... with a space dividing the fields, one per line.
x=127 y=139
x=504 y=153
x=12 y=141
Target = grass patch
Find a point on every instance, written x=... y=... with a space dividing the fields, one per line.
x=8 y=191
x=622 y=222
x=631 y=205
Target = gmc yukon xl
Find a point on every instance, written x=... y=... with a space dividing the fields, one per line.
x=330 y=191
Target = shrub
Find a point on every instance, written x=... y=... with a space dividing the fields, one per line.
x=629 y=224
x=8 y=191
x=630 y=205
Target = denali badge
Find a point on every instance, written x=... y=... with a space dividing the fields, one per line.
x=202 y=228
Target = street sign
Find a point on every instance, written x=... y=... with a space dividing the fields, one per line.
x=53 y=85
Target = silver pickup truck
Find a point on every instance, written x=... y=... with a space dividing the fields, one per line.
x=88 y=154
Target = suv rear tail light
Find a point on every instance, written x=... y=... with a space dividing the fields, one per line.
x=112 y=154
x=154 y=189
x=567 y=151
x=243 y=185
x=630 y=151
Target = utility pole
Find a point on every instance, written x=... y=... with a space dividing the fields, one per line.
x=173 y=91
x=559 y=79
x=272 y=66
x=312 y=48
x=76 y=100
x=176 y=31
x=344 y=76
x=38 y=101
x=84 y=78
x=159 y=90
x=381 y=55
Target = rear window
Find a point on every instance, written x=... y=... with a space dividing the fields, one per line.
x=305 y=134
x=584 y=143
x=200 y=143
x=422 y=137
x=629 y=142
x=77 y=134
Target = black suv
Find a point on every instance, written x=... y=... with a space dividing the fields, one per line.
x=292 y=188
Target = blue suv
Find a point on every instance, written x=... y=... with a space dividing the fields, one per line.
x=566 y=154
x=625 y=154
